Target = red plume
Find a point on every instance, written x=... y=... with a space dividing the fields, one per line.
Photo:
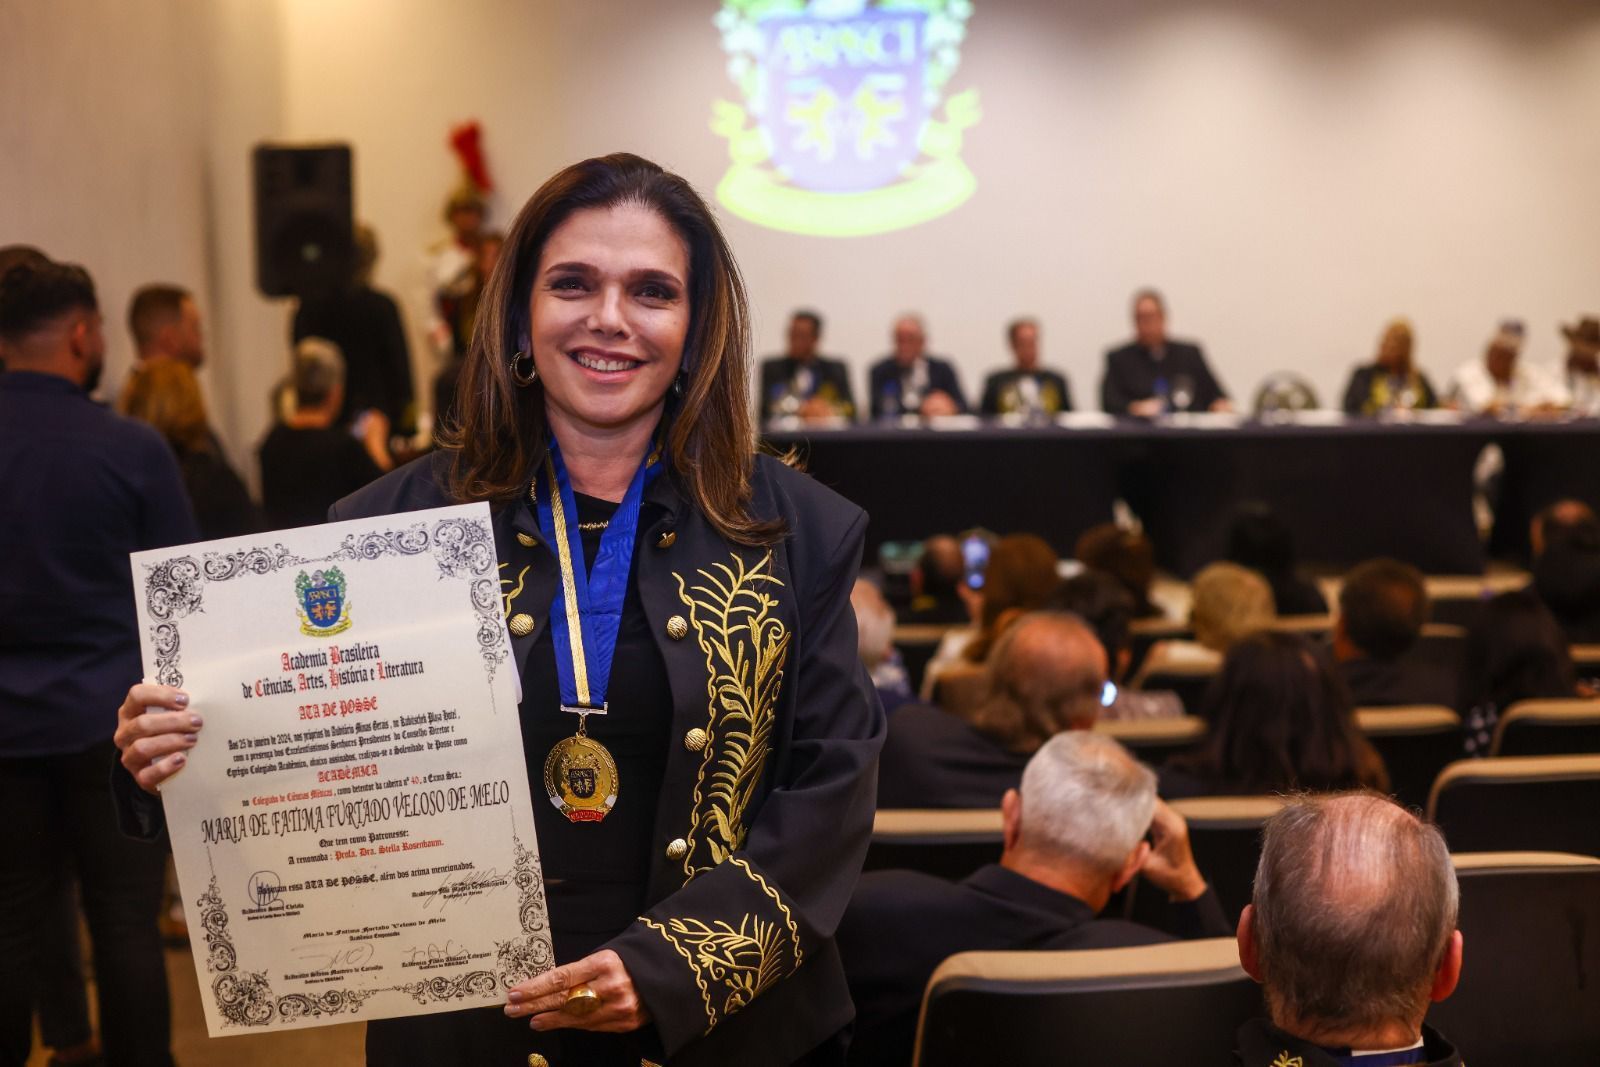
x=466 y=140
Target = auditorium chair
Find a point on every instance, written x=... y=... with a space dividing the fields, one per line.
x=1155 y=1004
x=1586 y=659
x=1457 y=600
x=1548 y=728
x=1191 y=681
x=1144 y=633
x=1311 y=627
x=1225 y=834
x=916 y=645
x=949 y=843
x=1530 y=981
x=1154 y=740
x=1519 y=803
x=1416 y=743
x=1442 y=643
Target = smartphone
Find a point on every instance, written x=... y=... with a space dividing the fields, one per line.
x=975 y=559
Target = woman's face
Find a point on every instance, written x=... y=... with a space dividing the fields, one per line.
x=609 y=314
x=1394 y=351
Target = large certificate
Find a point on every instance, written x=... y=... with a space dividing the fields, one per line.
x=353 y=832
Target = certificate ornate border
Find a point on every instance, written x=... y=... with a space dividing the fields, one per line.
x=462 y=549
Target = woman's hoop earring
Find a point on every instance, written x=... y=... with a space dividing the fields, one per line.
x=518 y=375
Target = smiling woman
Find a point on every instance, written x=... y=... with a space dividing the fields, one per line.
x=710 y=799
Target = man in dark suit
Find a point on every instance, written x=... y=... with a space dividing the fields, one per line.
x=1382 y=607
x=908 y=381
x=802 y=382
x=1025 y=388
x=1073 y=835
x=1352 y=934
x=1155 y=374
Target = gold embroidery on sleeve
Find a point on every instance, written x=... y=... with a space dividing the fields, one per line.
x=788 y=917
x=744 y=960
x=745 y=645
x=694 y=965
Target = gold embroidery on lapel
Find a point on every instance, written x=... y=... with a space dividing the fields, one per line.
x=745 y=647
x=1283 y=1060
x=509 y=598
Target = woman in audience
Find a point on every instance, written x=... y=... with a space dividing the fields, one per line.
x=1020 y=577
x=1390 y=382
x=1262 y=541
x=1230 y=603
x=1126 y=555
x=166 y=394
x=1517 y=651
x=1102 y=602
x=1280 y=720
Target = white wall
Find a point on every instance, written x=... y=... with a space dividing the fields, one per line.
x=1290 y=175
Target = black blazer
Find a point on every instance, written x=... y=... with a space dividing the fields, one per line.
x=766 y=805
x=1132 y=373
x=883 y=381
x=832 y=383
x=1055 y=395
x=1358 y=394
x=902 y=924
x=1263 y=1045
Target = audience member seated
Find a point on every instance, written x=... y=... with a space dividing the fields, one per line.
x=365 y=324
x=802 y=381
x=166 y=394
x=1263 y=542
x=1102 y=602
x=908 y=381
x=875 y=637
x=1502 y=385
x=1352 y=935
x=1383 y=605
x=1230 y=603
x=1074 y=835
x=1391 y=382
x=1020 y=576
x=1154 y=374
x=1279 y=720
x=1583 y=365
x=1047 y=674
x=1515 y=652
x=309 y=461
x=1126 y=555
x=1025 y=388
x=1566 y=568
x=938 y=595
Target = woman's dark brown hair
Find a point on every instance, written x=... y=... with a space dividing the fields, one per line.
x=710 y=442
x=1281 y=719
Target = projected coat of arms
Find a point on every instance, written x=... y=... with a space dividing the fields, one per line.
x=845 y=129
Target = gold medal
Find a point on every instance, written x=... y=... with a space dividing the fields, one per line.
x=581 y=777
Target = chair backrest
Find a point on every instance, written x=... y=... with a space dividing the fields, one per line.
x=1528 y=992
x=1416 y=743
x=1153 y=740
x=1548 y=728
x=1088 y=1007
x=949 y=843
x=1586 y=658
x=1309 y=626
x=1143 y=635
x=1519 y=803
x=1190 y=680
x=1442 y=643
x=1225 y=834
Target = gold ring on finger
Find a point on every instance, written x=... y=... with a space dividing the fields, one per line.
x=582 y=1001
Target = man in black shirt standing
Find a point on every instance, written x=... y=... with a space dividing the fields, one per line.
x=80 y=488
x=310 y=460
x=1155 y=374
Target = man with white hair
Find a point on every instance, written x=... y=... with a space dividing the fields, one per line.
x=1352 y=934
x=1073 y=835
x=908 y=381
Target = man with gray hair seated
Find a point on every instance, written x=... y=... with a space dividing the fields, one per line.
x=1352 y=934
x=1073 y=835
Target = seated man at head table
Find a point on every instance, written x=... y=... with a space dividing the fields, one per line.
x=1154 y=374
x=1583 y=365
x=1383 y=605
x=1357 y=879
x=1025 y=388
x=802 y=381
x=1502 y=384
x=908 y=381
x=1046 y=674
x=1073 y=835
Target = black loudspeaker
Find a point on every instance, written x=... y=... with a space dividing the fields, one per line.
x=304 y=221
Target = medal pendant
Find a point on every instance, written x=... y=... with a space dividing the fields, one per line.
x=581 y=778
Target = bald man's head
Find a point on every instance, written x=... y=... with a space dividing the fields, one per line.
x=1046 y=674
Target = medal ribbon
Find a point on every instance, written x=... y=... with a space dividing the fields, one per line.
x=587 y=612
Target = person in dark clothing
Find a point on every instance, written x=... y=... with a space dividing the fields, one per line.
x=803 y=382
x=310 y=461
x=1515 y=652
x=166 y=394
x=1025 y=388
x=908 y=381
x=1261 y=540
x=1383 y=605
x=1391 y=382
x=1074 y=834
x=1280 y=720
x=1566 y=568
x=1352 y=934
x=1154 y=374
x=366 y=325
x=80 y=488
x=936 y=593
x=1046 y=674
